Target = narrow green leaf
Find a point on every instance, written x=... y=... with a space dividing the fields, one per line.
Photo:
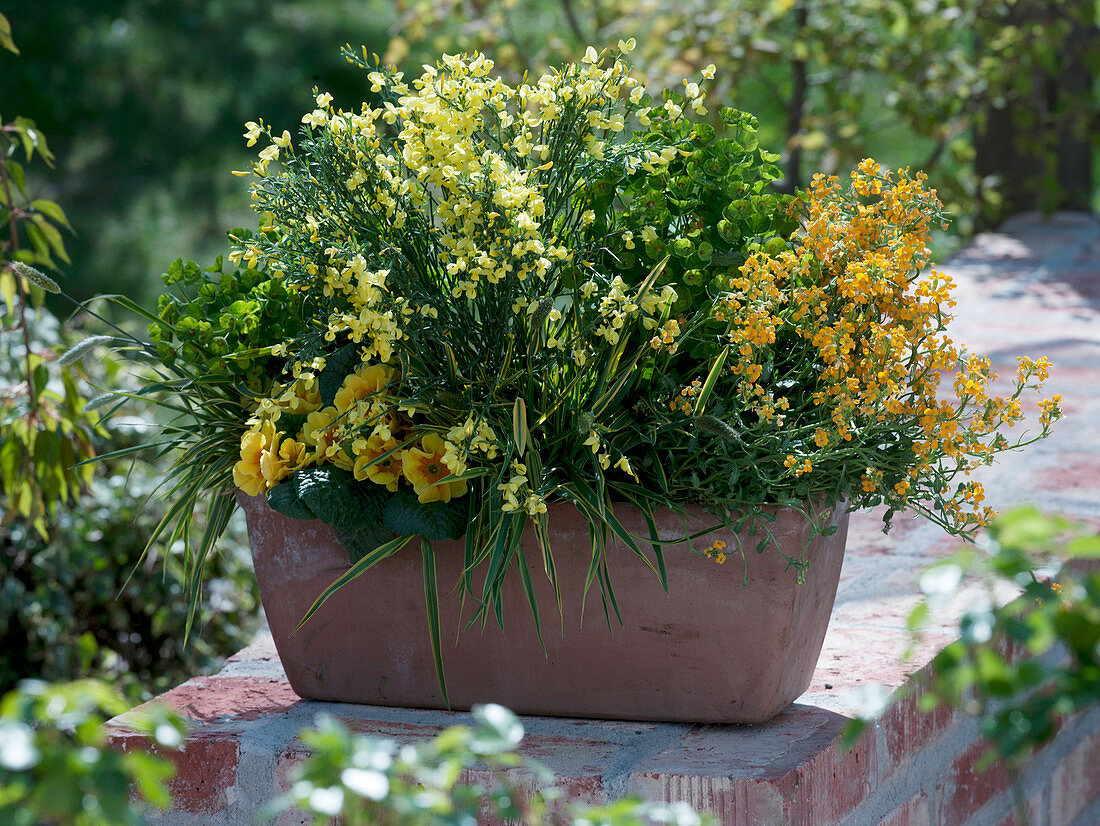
x=627 y=373
x=431 y=602
x=542 y=534
x=529 y=592
x=450 y=478
x=360 y=567
x=363 y=540
x=712 y=379
x=131 y=305
x=598 y=506
x=651 y=278
x=609 y=594
x=644 y=508
x=452 y=364
x=519 y=425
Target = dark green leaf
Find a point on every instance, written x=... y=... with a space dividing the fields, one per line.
x=337 y=368
x=406 y=515
x=284 y=499
x=337 y=498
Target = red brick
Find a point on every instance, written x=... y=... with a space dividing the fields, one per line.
x=907 y=729
x=796 y=773
x=913 y=812
x=288 y=760
x=231 y=699
x=580 y=782
x=206 y=768
x=1034 y=816
x=972 y=789
x=832 y=783
x=1075 y=782
x=731 y=800
x=1074 y=474
x=285 y=764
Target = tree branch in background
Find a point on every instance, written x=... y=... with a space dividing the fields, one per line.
x=797 y=104
x=571 y=18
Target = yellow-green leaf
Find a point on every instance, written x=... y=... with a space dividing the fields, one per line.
x=52 y=210
x=712 y=379
x=53 y=237
x=519 y=425
x=5 y=36
x=7 y=288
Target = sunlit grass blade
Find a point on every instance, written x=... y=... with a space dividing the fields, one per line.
x=654 y=538
x=712 y=379
x=529 y=592
x=651 y=278
x=596 y=504
x=221 y=508
x=431 y=602
x=627 y=373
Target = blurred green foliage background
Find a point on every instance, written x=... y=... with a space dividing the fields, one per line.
x=144 y=103
x=144 y=100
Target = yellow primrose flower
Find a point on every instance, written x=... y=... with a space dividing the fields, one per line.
x=366 y=381
x=281 y=458
x=295 y=454
x=318 y=431
x=272 y=468
x=386 y=472
x=323 y=432
x=247 y=474
x=424 y=466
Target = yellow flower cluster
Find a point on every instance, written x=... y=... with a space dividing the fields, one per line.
x=359 y=433
x=517 y=486
x=436 y=202
x=488 y=198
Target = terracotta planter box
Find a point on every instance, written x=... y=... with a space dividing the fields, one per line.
x=711 y=650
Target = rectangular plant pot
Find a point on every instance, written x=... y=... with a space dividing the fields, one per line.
x=712 y=649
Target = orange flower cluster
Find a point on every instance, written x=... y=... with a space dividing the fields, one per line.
x=858 y=292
